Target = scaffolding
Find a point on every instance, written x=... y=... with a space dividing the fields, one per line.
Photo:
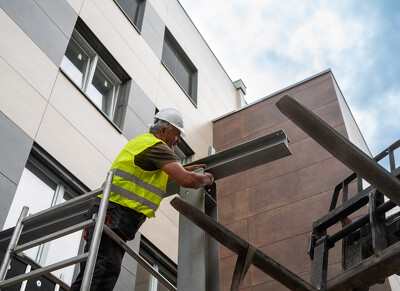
x=371 y=247
x=69 y=217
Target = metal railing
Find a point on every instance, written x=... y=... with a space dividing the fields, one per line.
x=97 y=221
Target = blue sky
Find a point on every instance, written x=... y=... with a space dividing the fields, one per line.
x=272 y=44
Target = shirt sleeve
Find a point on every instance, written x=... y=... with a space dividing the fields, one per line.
x=155 y=157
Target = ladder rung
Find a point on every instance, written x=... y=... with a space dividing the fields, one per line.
x=63 y=205
x=48 y=269
x=53 y=236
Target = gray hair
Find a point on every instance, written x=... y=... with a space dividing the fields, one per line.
x=158 y=124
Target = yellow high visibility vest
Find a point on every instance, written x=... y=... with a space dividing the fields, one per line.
x=134 y=187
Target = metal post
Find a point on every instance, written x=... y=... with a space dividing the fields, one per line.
x=319 y=267
x=97 y=233
x=191 y=248
x=13 y=242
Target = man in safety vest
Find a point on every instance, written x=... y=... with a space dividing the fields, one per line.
x=141 y=173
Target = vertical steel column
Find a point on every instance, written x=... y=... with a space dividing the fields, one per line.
x=97 y=233
x=212 y=248
x=13 y=241
x=319 y=266
x=191 y=250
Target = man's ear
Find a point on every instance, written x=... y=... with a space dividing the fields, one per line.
x=163 y=130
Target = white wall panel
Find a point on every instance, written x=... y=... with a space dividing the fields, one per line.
x=86 y=118
x=70 y=148
x=161 y=6
x=26 y=57
x=19 y=101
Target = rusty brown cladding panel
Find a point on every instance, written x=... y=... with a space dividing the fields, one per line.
x=230 y=185
x=295 y=186
x=284 y=222
x=230 y=212
x=304 y=153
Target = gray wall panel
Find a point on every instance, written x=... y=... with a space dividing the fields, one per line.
x=62 y=14
x=133 y=125
x=15 y=146
x=43 y=30
x=127 y=278
x=141 y=104
x=7 y=191
x=153 y=30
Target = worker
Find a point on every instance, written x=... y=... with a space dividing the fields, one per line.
x=141 y=173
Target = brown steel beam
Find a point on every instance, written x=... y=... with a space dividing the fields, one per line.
x=341 y=148
x=240 y=246
x=369 y=272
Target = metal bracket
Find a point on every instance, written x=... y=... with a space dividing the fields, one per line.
x=242 y=266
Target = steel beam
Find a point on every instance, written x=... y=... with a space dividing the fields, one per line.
x=341 y=148
x=239 y=246
x=247 y=155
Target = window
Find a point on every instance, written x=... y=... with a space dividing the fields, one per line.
x=179 y=66
x=40 y=187
x=133 y=10
x=144 y=280
x=96 y=73
x=183 y=152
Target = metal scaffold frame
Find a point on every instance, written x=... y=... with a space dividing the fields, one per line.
x=56 y=221
x=371 y=243
x=97 y=221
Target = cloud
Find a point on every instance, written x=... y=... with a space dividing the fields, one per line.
x=273 y=44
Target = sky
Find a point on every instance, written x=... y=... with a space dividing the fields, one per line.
x=273 y=44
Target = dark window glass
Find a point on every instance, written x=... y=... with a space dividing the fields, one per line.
x=134 y=10
x=179 y=65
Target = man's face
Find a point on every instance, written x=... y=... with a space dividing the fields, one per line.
x=171 y=136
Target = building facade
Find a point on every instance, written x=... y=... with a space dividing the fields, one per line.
x=273 y=206
x=80 y=78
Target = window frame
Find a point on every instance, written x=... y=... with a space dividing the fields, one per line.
x=159 y=261
x=65 y=185
x=184 y=152
x=139 y=14
x=182 y=57
x=95 y=62
x=100 y=58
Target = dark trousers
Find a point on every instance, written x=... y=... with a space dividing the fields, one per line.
x=125 y=222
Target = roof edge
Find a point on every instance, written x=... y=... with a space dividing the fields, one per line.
x=273 y=94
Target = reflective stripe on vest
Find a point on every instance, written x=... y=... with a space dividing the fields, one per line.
x=134 y=197
x=132 y=178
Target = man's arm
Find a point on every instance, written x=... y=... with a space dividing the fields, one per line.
x=195 y=167
x=187 y=179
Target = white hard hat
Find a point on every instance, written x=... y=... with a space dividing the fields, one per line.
x=172 y=116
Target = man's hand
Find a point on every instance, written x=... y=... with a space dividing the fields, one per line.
x=195 y=167
x=187 y=179
x=211 y=177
